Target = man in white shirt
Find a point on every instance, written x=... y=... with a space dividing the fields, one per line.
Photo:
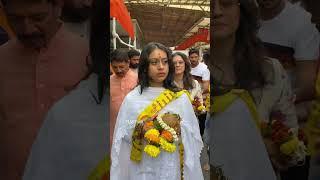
x=201 y=73
x=289 y=35
x=199 y=70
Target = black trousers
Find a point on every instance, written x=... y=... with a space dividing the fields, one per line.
x=202 y=122
x=297 y=172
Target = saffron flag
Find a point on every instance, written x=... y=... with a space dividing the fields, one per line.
x=119 y=11
x=201 y=36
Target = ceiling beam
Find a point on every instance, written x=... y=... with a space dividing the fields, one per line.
x=165 y=3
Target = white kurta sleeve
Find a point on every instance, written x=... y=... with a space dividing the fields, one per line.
x=121 y=148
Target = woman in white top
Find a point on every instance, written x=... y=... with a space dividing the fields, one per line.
x=184 y=80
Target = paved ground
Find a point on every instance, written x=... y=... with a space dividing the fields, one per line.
x=205 y=160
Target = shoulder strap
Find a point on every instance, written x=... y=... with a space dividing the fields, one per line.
x=160 y=102
x=220 y=103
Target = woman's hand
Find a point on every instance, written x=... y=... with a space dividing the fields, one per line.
x=279 y=161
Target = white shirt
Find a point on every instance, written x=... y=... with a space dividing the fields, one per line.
x=196 y=91
x=292 y=28
x=202 y=71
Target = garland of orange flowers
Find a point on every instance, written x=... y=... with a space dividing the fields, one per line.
x=168 y=128
x=151 y=112
x=159 y=135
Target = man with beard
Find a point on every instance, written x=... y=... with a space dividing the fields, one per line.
x=121 y=83
x=37 y=68
x=134 y=57
x=75 y=14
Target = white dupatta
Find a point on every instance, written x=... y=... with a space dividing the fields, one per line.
x=236 y=145
x=167 y=165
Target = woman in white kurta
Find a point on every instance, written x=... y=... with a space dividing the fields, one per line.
x=155 y=75
x=183 y=79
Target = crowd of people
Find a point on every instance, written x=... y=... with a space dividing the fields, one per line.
x=262 y=72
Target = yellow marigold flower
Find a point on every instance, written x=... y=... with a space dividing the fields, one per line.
x=154 y=132
x=169 y=147
x=152 y=150
x=290 y=147
x=201 y=108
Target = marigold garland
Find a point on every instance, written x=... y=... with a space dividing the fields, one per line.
x=169 y=147
x=289 y=147
x=153 y=132
x=147 y=122
x=201 y=108
x=168 y=128
x=167 y=136
x=288 y=143
x=152 y=150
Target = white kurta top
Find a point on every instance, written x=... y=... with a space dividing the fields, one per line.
x=237 y=146
x=167 y=165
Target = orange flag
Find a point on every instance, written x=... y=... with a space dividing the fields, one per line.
x=119 y=11
x=201 y=36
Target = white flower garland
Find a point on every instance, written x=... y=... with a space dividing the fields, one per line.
x=168 y=128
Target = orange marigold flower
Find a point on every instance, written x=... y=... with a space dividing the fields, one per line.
x=148 y=125
x=153 y=138
x=167 y=135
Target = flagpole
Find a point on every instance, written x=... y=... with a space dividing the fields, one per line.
x=115 y=36
x=135 y=36
x=114 y=32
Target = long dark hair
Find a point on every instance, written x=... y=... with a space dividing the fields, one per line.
x=144 y=67
x=248 y=50
x=99 y=46
x=187 y=77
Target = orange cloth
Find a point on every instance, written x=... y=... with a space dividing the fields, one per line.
x=119 y=11
x=119 y=88
x=30 y=83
